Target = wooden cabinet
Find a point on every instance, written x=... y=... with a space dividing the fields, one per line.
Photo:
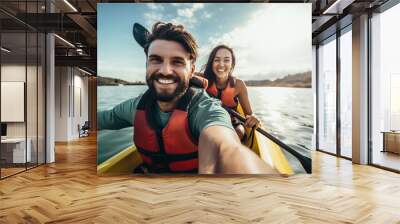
x=391 y=142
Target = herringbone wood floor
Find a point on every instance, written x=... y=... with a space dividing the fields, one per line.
x=69 y=191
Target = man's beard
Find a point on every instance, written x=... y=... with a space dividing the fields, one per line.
x=167 y=97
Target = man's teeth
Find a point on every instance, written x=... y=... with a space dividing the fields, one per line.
x=165 y=81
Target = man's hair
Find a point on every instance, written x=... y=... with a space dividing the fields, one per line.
x=171 y=32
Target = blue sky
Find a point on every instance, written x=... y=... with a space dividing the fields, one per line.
x=269 y=40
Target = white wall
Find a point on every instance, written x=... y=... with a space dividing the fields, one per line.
x=12 y=101
x=70 y=83
x=81 y=82
x=13 y=72
x=62 y=81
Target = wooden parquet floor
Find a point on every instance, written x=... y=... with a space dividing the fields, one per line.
x=69 y=191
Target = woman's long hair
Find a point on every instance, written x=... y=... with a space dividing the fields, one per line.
x=208 y=72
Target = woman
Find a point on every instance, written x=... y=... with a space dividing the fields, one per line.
x=230 y=90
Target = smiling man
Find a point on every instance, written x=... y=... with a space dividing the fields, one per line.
x=179 y=128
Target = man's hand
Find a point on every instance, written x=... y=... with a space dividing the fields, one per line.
x=220 y=151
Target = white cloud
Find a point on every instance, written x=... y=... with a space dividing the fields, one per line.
x=207 y=15
x=185 y=13
x=187 y=23
x=186 y=16
x=177 y=4
x=275 y=40
x=155 y=13
x=155 y=6
x=189 y=12
x=152 y=17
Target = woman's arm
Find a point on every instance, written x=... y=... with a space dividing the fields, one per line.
x=244 y=101
x=243 y=97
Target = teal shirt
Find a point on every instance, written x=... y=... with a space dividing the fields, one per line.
x=204 y=111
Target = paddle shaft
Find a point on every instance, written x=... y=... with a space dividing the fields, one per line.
x=305 y=161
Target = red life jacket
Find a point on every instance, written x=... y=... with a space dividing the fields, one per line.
x=226 y=95
x=171 y=149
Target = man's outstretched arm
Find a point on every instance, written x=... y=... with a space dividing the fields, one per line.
x=220 y=151
x=121 y=116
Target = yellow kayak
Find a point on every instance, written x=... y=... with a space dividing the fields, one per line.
x=267 y=150
x=128 y=159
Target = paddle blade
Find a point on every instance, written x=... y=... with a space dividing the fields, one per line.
x=141 y=34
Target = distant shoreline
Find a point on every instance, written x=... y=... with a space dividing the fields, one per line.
x=298 y=80
x=107 y=81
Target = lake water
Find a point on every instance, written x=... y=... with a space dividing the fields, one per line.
x=287 y=113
